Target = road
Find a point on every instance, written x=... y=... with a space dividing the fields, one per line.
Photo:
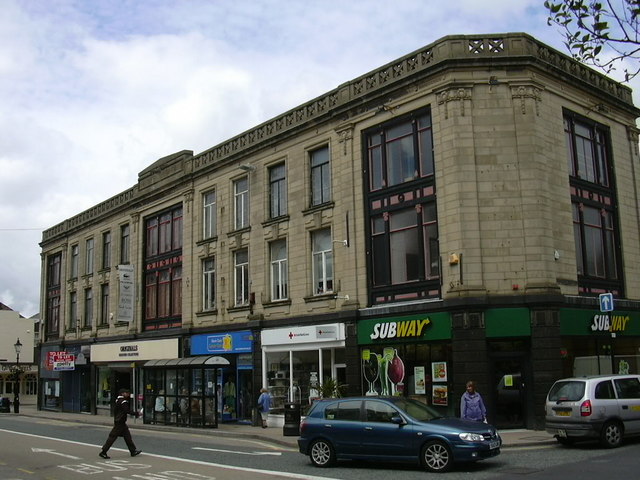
x=46 y=449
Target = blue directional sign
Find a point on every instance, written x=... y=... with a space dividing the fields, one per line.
x=606 y=302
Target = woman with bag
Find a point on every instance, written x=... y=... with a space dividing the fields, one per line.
x=264 y=405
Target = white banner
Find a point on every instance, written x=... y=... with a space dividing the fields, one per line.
x=126 y=297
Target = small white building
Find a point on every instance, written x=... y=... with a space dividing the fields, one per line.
x=14 y=327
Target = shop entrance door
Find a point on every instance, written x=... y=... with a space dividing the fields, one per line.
x=510 y=403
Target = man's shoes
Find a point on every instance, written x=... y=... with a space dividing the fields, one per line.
x=135 y=453
x=104 y=455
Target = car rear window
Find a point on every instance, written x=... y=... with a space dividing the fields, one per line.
x=567 y=391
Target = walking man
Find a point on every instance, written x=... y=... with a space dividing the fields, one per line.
x=120 y=428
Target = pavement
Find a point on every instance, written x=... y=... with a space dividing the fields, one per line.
x=510 y=438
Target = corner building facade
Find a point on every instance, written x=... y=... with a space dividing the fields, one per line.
x=452 y=215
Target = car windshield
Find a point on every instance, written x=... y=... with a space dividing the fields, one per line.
x=417 y=410
x=567 y=391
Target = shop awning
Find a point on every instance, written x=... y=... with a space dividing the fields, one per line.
x=201 y=361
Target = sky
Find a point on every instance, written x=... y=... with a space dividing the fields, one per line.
x=94 y=91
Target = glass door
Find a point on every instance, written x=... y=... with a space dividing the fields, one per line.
x=509 y=393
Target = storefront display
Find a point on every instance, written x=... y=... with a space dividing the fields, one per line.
x=302 y=362
x=397 y=352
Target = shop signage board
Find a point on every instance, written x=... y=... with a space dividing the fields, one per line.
x=135 y=351
x=594 y=322
x=301 y=335
x=405 y=329
x=227 y=342
x=61 y=361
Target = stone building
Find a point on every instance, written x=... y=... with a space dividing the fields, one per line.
x=452 y=215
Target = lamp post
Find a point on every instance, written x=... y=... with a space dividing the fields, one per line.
x=16 y=385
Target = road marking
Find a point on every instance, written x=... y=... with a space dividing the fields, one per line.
x=185 y=460
x=239 y=453
x=53 y=452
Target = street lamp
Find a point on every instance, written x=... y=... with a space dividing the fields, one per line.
x=16 y=387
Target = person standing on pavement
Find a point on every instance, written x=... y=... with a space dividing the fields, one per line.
x=120 y=428
x=471 y=404
x=264 y=405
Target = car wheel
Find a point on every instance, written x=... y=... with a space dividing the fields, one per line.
x=437 y=457
x=321 y=454
x=611 y=435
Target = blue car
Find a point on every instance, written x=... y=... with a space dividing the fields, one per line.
x=392 y=429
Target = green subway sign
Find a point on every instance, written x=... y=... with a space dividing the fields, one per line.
x=405 y=329
x=592 y=322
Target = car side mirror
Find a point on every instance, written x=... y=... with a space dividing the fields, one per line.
x=398 y=420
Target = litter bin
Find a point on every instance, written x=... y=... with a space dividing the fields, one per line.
x=5 y=405
x=291 y=420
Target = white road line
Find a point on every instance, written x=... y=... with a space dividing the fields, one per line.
x=177 y=459
x=234 y=451
x=53 y=452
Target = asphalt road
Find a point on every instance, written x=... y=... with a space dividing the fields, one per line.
x=34 y=449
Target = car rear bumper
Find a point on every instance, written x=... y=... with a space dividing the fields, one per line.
x=573 y=430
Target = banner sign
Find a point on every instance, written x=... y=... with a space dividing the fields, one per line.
x=126 y=297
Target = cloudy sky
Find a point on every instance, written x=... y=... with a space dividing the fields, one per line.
x=94 y=91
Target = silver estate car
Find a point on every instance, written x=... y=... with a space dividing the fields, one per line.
x=603 y=407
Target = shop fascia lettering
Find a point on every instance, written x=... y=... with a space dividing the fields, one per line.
x=606 y=323
x=401 y=329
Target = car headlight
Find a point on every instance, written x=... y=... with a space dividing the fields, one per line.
x=471 y=437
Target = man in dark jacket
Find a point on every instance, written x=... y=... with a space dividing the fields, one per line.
x=120 y=428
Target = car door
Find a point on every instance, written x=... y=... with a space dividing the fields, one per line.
x=628 y=391
x=342 y=425
x=383 y=438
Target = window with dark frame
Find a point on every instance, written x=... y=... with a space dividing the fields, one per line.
x=53 y=282
x=277 y=191
x=279 y=270
x=241 y=203
x=88 y=308
x=163 y=270
x=208 y=284
x=125 y=244
x=106 y=250
x=593 y=206
x=104 y=304
x=320 y=165
x=89 y=257
x=241 y=273
x=404 y=258
x=75 y=255
x=209 y=216
x=73 y=310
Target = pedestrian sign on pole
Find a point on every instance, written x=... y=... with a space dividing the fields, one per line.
x=606 y=302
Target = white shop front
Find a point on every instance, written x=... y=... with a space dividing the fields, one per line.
x=298 y=361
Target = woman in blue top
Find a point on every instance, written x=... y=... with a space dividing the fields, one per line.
x=471 y=404
x=264 y=405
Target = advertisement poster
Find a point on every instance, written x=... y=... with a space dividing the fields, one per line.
x=418 y=375
x=440 y=395
x=439 y=371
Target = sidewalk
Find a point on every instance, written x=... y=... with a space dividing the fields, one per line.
x=274 y=435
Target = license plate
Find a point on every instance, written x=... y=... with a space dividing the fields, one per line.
x=562 y=433
x=494 y=444
x=563 y=413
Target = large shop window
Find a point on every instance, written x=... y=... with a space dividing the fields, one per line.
x=420 y=371
x=405 y=260
x=594 y=206
x=302 y=376
x=599 y=355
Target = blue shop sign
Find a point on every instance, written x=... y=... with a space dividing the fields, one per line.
x=229 y=342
